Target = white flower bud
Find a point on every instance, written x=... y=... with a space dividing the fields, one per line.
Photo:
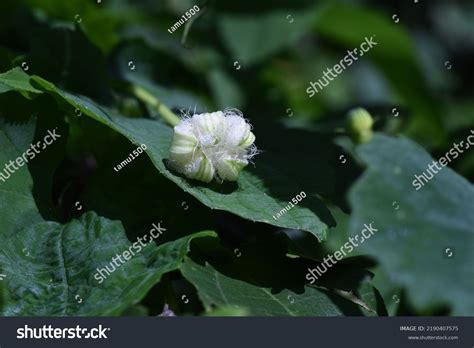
x=184 y=143
x=238 y=131
x=208 y=123
x=212 y=145
x=229 y=167
x=199 y=168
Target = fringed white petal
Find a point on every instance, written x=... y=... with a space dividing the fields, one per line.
x=209 y=145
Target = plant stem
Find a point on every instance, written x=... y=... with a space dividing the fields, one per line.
x=146 y=97
x=188 y=25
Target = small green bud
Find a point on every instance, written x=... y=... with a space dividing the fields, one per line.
x=359 y=125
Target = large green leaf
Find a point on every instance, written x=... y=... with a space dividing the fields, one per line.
x=51 y=268
x=251 y=39
x=260 y=278
x=27 y=123
x=261 y=192
x=218 y=289
x=16 y=199
x=416 y=227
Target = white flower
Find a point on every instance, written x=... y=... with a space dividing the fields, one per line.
x=212 y=145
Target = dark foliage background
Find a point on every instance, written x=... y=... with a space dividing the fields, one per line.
x=75 y=65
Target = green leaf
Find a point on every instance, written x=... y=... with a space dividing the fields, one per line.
x=217 y=289
x=251 y=39
x=51 y=268
x=28 y=123
x=411 y=241
x=260 y=278
x=17 y=205
x=17 y=79
x=100 y=24
x=261 y=192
